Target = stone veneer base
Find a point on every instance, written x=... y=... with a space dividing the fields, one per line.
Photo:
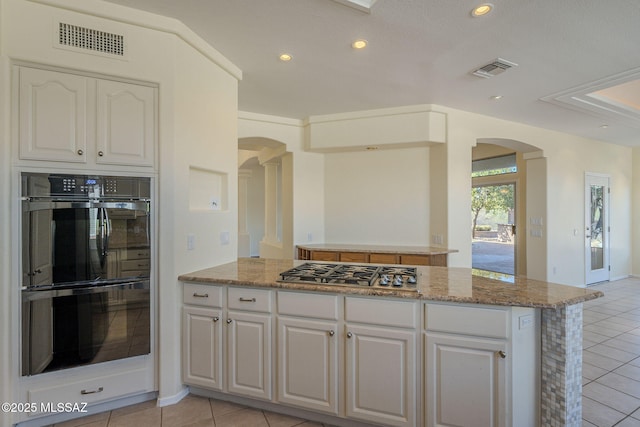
x=561 y=382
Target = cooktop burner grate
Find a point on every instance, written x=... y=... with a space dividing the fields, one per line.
x=352 y=274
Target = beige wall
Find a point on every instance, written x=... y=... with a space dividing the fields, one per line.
x=635 y=209
x=435 y=181
x=568 y=158
x=377 y=197
x=308 y=190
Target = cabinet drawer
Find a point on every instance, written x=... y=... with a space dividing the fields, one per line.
x=381 y=312
x=135 y=264
x=324 y=256
x=415 y=259
x=477 y=321
x=136 y=254
x=206 y=295
x=353 y=257
x=308 y=305
x=249 y=299
x=383 y=259
x=93 y=390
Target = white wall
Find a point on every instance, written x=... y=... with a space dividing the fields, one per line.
x=197 y=127
x=204 y=136
x=377 y=197
x=6 y=284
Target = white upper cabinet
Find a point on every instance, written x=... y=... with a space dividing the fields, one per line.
x=52 y=115
x=125 y=123
x=79 y=119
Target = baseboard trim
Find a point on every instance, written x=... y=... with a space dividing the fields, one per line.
x=170 y=400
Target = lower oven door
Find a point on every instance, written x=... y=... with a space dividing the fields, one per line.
x=74 y=326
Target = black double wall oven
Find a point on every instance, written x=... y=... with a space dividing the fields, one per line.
x=86 y=263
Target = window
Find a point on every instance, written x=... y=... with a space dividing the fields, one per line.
x=494 y=166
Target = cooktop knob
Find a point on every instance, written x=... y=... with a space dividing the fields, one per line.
x=397 y=281
x=412 y=280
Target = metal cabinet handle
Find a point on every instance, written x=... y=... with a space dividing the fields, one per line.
x=229 y=321
x=100 y=153
x=332 y=333
x=197 y=295
x=247 y=299
x=501 y=354
x=80 y=152
x=99 y=390
x=216 y=318
x=349 y=334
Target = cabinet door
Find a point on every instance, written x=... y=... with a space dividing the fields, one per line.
x=307 y=362
x=465 y=381
x=249 y=354
x=380 y=375
x=125 y=123
x=52 y=115
x=202 y=351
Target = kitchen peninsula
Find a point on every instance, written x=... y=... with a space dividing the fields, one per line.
x=376 y=254
x=454 y=349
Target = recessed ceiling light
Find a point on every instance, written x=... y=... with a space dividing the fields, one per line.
x=482 y=10
x=495 y=97
x=359 y=44
x=604 y=126
x=285 y=57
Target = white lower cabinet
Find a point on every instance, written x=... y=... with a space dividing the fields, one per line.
x=308 y=351
x=481 y=366
x=358 y=358
x=249 y=335
x=202 y=363
x=308 y=364
x=466 y=381
x=380 y=375
x=249 y=354
x=202 y=352
x=380 y=366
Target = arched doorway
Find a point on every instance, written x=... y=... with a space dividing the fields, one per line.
x=265 y=208
x=515 y=173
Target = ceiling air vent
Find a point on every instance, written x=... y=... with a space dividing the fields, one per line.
x=494 y=68
x=88 y=38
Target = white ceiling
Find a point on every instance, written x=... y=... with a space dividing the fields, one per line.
x=424 y=51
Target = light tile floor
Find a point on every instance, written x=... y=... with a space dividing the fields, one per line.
x=611 y=356
x=192 y=411
x=611 y=378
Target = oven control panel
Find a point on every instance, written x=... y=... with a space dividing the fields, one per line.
x=84 y=186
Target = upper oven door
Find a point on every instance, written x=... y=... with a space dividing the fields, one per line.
x=84 y=241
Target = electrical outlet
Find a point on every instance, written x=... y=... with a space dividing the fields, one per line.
x=526 y=321
x=224 y=238
x=191 y=242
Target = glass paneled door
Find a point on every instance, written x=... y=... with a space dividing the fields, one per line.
x=596 y=228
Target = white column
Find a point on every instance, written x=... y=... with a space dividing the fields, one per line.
x=244 y=238
x=271 y=201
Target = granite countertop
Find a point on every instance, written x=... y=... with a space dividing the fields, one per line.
x=452 y=284
x=414 y=250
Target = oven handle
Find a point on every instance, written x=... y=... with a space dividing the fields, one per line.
x=53 y=292
x=38 y=205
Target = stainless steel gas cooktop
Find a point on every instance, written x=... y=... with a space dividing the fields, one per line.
x=353 y=275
